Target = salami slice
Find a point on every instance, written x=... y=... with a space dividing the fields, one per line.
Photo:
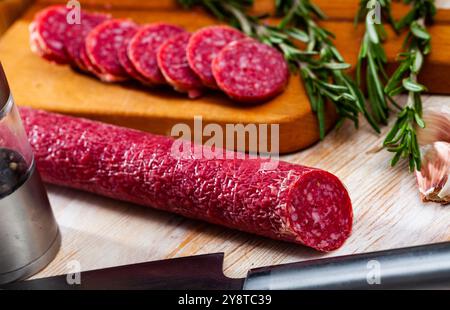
x=87 y=63
x=35 y=44
x=249 y=71
x=77 y=33
x=38 y=48
x=144 y=46
x=48 y=34
x=172 y=61
x=203 y=47
x=102 y=44
x=285 y=202
x=125 y=62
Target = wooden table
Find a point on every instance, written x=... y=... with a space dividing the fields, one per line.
x=99 y=232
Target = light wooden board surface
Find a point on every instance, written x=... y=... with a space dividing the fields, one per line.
x=99 y=232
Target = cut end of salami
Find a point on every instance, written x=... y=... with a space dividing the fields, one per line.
x=102 y=45
x=48 y=34
x=320 y=211
x=173 y=63
x=143 y=48
x=249 y=71
x=205 y=45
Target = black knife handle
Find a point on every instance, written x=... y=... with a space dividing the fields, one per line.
x=421 y=267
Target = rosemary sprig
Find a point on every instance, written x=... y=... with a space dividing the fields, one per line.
x=402 y=139
x=322 y=67
x=226 y=11
x=319 y=63
x=372 y=57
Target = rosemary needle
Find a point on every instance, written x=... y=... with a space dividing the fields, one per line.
x=372 y=57
x=402 y=139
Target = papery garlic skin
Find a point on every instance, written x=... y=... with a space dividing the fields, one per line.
x=434 y=177
x=445 y=191
x=437 y=126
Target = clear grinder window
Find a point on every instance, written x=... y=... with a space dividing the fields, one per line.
x=29 y=235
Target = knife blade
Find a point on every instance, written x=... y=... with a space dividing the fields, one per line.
x=420 y=267
x=200 y=272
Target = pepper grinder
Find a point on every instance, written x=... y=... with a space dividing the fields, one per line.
x=29 y=234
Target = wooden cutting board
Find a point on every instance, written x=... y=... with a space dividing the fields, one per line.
x=342 y=10
x=40 y=84
x=10 y=10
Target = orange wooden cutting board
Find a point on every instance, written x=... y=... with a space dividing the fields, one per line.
x=344 y=10
x=40 y=84
x=10 y=10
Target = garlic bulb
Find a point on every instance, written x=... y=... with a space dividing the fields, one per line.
x=434 y=177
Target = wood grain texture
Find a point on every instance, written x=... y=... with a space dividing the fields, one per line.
x=99 y=232
x=40 y=84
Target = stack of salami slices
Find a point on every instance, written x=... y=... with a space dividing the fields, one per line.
x=116 y=50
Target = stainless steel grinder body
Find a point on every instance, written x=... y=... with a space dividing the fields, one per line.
x=29 y=234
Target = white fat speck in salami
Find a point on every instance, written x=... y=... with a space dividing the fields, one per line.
x=250 y=71
x=102 y=44
x=173 y=63
x=143 y=47
x=48 y=34
x=203 y=47
x=319 y=217
x=76 y=35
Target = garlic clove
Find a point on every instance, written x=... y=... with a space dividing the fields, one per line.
x=434 y=177
x=437 y=126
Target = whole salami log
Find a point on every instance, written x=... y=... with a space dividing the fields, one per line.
x=288 y=202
